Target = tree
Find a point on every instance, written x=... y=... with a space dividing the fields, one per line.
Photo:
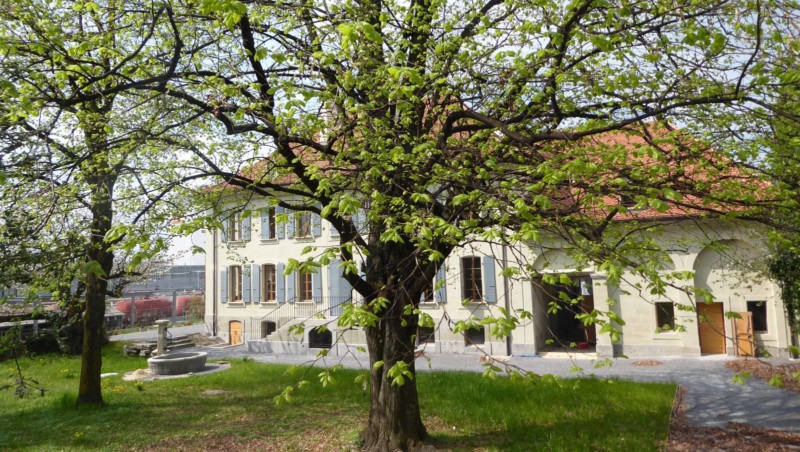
x=448 y=121
x=88 y=170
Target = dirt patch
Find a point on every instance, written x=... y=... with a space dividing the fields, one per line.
x=789 y=374
x=646 y=363
x=684 y=436
x=202 y=339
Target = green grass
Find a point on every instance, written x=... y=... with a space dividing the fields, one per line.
x=462 y=411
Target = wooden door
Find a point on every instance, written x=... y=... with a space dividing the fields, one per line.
x=235 y=330
x=743 y=332
x=711 y=324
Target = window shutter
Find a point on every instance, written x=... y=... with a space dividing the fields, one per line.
x=440 y=285
x=316 y=226
x=316 y=286
x=489 y=285
x=334 y=231
x=223 y=285
x=265 y=226
x=290 y=224
x=224 y=230
x=280 y=283
x=291 y=282
x=358 y=220
x=246 y=280
x=246 y=228
x=334 y=279
x=256 y=275
x=279 y=226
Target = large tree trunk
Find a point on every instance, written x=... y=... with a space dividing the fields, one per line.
x=99 y=260
x=395 y=422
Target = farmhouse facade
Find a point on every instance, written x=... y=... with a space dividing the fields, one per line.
x=250 y=299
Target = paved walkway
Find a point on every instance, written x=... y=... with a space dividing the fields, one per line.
x=712 y=399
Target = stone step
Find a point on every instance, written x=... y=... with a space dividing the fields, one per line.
x=172 y=347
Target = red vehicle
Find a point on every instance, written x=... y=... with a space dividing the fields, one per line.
x=151 y=308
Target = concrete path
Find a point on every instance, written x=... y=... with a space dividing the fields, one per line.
x=712 y=399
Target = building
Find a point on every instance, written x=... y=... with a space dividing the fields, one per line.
x=250 y=299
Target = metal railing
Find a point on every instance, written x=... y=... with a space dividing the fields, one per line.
x=283 y=313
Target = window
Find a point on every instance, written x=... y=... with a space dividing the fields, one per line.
x=235 y=228
x=426 y=335
x=267 y=328
x=472 y=288
x=305 y=287
x=268 y=228
x=475 y=336
x=427 y=294
x=302 y=225
x=759 y=311
x=236 y=282
x=665 y=316
x=320 y=338
x=269 y=282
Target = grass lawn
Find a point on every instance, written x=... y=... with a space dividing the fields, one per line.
x=462 y=411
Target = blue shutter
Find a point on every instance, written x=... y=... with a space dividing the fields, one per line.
x=291 y=282
x=316 y=286
x=256 y=275
x=280 y=283
x=279 y=226
x=246 y=229
x=334 y=279
x=334 y=231
x=265 y=226
x=489 y=285
x=358 y=220
x=246 y=279
x=316 y=225
x=440 y=293
x=290 y=223
x=223 y=285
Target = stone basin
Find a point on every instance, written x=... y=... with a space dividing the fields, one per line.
x=177 y=363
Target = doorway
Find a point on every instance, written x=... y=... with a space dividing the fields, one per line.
x=235 y=332
x=711 y=327
x=564 y=302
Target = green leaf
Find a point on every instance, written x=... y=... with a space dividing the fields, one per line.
x=94 y=268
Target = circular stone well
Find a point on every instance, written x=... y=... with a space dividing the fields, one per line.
x=177 y=363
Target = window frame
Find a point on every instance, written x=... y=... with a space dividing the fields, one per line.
x=272 y=232
x=236 y=283
x=269 y=286
x=303 y=225
x=472 y=279
x=235 y=228
x=305 y=287
x=762 y=308
x=660 y=307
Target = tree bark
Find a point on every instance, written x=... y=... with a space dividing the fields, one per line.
x=395 y=422
x=99 y=261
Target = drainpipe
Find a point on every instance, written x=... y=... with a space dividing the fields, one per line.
x=214 y=283
x=507 y=296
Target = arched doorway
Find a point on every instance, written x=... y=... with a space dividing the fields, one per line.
x=722 y=270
